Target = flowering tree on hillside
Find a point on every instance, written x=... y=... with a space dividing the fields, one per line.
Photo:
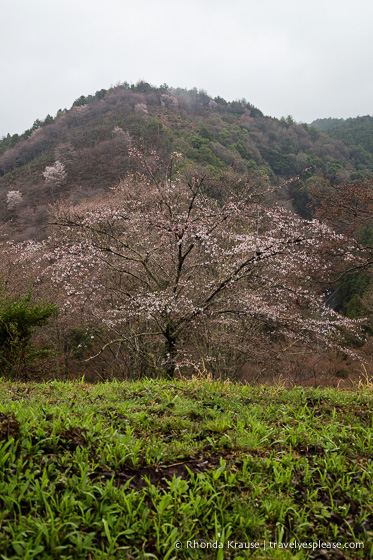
x=348 y=207
x=176 y=274
x=55 y=175
x=13 y=199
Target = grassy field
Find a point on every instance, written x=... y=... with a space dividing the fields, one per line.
x=184 y=469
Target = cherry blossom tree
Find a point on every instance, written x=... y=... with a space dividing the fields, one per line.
x=348 y=204
x=348 y=207
x=55 y=175
x=13 y=199
x=177 y=275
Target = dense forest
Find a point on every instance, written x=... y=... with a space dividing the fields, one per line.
x=211 y=133
x=356 y=133
x=147 y=228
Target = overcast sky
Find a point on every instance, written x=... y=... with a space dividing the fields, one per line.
x=307 y=59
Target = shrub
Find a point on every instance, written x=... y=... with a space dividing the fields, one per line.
x=19 y=317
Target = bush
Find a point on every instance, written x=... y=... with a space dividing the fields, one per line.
x=19 y=317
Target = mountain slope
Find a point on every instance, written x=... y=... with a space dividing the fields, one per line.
x=91 y=141
x=356 y=133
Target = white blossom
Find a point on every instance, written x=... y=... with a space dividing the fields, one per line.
x=55 y=175
x=13 y=198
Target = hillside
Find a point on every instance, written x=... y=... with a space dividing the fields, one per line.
x=91 y=141
x=175 y=242
x=356 y=133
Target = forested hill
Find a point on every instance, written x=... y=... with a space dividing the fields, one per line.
x=90 y=142
x=356 y=133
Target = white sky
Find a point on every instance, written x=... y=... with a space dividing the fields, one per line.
x=308 y=59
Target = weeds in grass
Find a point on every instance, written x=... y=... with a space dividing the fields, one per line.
x=365 y=380
x=126 y=470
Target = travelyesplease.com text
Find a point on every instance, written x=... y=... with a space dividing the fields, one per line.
x=267 y=545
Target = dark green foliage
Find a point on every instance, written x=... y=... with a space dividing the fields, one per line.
x=279 y=161
x=326 y=125
x=82 y=100
x=365 y=235
x=355 y=308
x=19 y=317
x=331 y=169
x=354 y=132
x=301 y=200
x=350 y=289
x=357 y=131
x=254 y=111
x=78 y=340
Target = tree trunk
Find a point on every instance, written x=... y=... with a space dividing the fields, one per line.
x=170 y=351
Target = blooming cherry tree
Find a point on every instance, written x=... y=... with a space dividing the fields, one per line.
x=55 y=175
x=348 y=207
x=177 y=275
x=13 y=199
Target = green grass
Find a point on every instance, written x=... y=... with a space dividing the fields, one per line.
x=126 y=470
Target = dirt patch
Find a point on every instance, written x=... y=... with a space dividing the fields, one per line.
x=159 y=412
x=113 y=415
x=330 y=507
x=9 y=425
x=362 y=411
x=310 y=450
x=63 y=440
x=160 y=474
x=18 y=393
x=72 y=438
x=196 y=416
